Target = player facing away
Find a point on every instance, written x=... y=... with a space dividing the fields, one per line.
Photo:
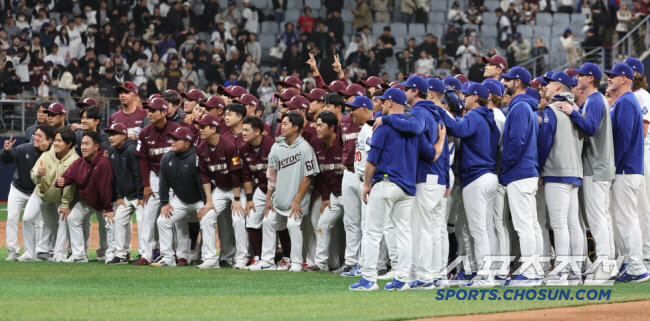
x=391 y=190
x=178 y=172
x=292 y=166
x=22 y=187
x=93 y=176
x=129 y=189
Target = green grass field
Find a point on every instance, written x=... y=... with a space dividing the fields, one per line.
x=46 y=290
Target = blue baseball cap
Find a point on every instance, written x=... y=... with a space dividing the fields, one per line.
x=621 y=70
x=575 y=81
x=542 y=80
x=450 y=95
x=591 y=69
x=466 y=85
x=533 y=93
x=395 y=95
x=518 y=73
x=478 y=90
x=635 y=64
x=562 y=78
x=416 y=82
x=436 y=85
x=361 y=102
x=495 y=87
x=453 y=83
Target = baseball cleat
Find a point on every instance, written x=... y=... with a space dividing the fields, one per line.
x=500 y=280
x=253 y=261
x=44 y=256
x=76 y=259
x=101 y=259
x=117 y=260
x=397 y=285
x=155 y=255
x=364 y=285
x=480 y=282
x=239 y=266
x=209 y=264
x=389 y=275
x=224 y=263
x=343 y=269
x=622 y=269
x=628 y=278
x=441 y=283
x=161 y=262
x=13 y=256
x=285 y=264
x=295 y=267
x=182 y=262
x=313 y=268
x=141 y=262
x=461 y=278
x=58 y=257
x=195 y=257
x=354 y=272
x=25 y=258
x=522 y=281
x=262 y=266
x=419 y=285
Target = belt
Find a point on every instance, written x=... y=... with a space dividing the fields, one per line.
x=350 y=168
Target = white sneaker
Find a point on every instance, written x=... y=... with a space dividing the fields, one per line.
x=13 y=256
x=255 y=260
x=599 y=278
x=442 y=283
x=296 y=267
x=76 y=259
x=210 y=264
x=285 y=264
x=388 y=276
x=59 y=258
x=101 y=259
x=25 y=258
x=480 y=282
x=239 y=266
x=262 y=266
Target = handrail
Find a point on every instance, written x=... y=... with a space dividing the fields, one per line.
x=534 y=62
x=631 y=32
x=569 y=63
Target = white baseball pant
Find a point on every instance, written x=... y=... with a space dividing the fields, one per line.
x=122 y=225
x=541 y=226
x=501 y=218
x=597 y=198
x=79 y=228
x=53 y=230
x=478 y=199
x=521 y=199
x=278 y=221
x=254 y=220
x=386 y=200
x=562 y=204
x=181 y=213
x=626 y=218
x=148 y=238
x=309 y=229
x=383 y=259
x=351 y=216
x=426 y=223
x=227 y=239
x=326 y=222
x=222 y=200
x=15 y=203
x=644 y=204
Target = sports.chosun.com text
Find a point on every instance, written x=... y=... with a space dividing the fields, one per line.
x=524 y=294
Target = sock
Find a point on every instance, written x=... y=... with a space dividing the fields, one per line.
x=285 y=241
x=194 y=233
x=255 y=238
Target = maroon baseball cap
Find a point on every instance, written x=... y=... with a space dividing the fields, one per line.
x=373 y=81
x=395 y=84
x=287 y=94
x=535 y=83
x=127 y=86
x=416 y=74
x=157 y=104
x=297 y=102
x=291 y=81
x=194 y=95
x=116 y=128
x=146 y=102
x=181 y=133
x=57 y=109
x=208 y=119
x=353 y=90
x=316 y=94
x=87 y=102
x=335 y=86
x=571 y=72
x=213 y=102
x=232 y=91
x=247 y=99
x=497 y=61
x=462 y=78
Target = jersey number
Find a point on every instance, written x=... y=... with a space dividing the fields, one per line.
x=309 y=165
x=357 y=156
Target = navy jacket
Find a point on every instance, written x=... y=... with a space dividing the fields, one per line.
x=180 y=173
x=126 y=169
x=25 y=157
x=627 y=127
x=519 y=159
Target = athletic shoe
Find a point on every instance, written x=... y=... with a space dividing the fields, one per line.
x=461 y=278
x=628 y=278
x=262 y=266
x=313 y=268
x=13 y=256
x=342 y=269
x=58 y=258
x=161 y=262
x=155 y=255
x=101 y=259
x=253 y=261
x=622 y=269
x=198 y=262
x=379 y=272
x=419 y=285
x=479 y=282
x=295 y=267
x=522 y=281
x=76 y=259
x=224 y=263
x=364 y=285
x=209 y=264
x=44 y=256
x=285 y=264
x=117 y=260
x=239 y=266
x=195 y=257
x=25 y=258
x=501 y=280
x=141 y=262
x=441 y=283
x=600 y=277
x=387 y=276
x=397 y=285
x=354 y=272
x=183 y=262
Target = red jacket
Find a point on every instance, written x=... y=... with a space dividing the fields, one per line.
x=94 y=181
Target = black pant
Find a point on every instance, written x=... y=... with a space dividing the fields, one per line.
x=565 y=9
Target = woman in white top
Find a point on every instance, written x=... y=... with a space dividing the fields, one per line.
x=249 y=68
x=624 y=15
x=571 y=51
x=63 y=41
x=254 y=48
x=425 y=64
x=464 y=55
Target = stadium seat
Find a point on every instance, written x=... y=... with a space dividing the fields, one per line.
x=492 y=5
x=294 y=4
x=398 y=29
x=378 y=28
x=438 y=5
x=349 y=4
x=489 y=32
x=544 y=19
x=292 y=16
x=349 y=29
x=563 y=19
x=267 y=41
x=436 y=29
x=490 y=18
x=204 y=36
x=313 y=4
x=261 y=4
x=347 y=16
x=270 y=27
x=436 y=17
x=526 y=31
x=417 y=29
x=489 y=42
x=542 y=31
x=578 y=17
x=558 y=30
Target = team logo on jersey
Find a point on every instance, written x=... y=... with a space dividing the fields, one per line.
x=546 y=118
x=644 y=110
x=236 y=160
x=27 y=156
x=368 y=140
x=291 y=160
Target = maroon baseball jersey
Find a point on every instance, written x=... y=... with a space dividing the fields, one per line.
x=236 y=139
x=255 y=161
x=349 y=131
x=331 y=167
x=196 y=134
x=220 y=165
x=153 y=143
x=131 y=121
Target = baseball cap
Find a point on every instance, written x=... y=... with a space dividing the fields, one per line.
x=497 y=61
x=575 y=81
x=291 y=81
x=395 y=95
x=463 y=79
x=361 y=102
x=87 y=102
x=621 y=70
x=316 y=94
x=534 y=93
x=335 y=86
x=466 y=85
x=146 y=102
x=186 y=4
x=116 y=128
x=247 y=99
x=57 y=109
x=478 y=90
x=635 y=64
x=542 y=81
x=208 y=119
x=286 y=95
x=416 y=74
x=128 y=86
x=181 y=133
x=157 y=104
x=297 y=102
x=395 y=84
x=494 y=87
x=452 y=83
x=353 y=90
x=436 y=85
x=591 y=69
x=213 y=102
x=571 y=72
x=535 y=83
x=232 y=91
x=194 y=95
x=416 y=82
x=373 y=81
x=46 y=24
x=562 y=78
x=518 y=73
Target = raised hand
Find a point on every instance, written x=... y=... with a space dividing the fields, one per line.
x=9 y=143
x=41 y=169
x=312 y=64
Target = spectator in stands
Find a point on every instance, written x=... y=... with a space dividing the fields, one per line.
x=279 y=9
x=172 y=75
x=590 y=43
x=513 y=15
x=374 y=63
x=292 y=61
x=387 y=42
x=569 y=45
x=335 y=24
x=527 y=14
x=503 y=27
x=430 y=46
x=406 y=63
x=566 y=6
x=288 y=36
x=231 y=14
x=254 y=48
x=67 y=86
x=250 y=17
x=366 y=38
x=306 y=23
x=640 y=10
x=455 y=15
x=360 y=56
x=450 y=39
x=320 y=37
x=156 y=70
x=540 y=50
x=249 y=68
x=474 y=39
x=188 y=74
x=425 y=65
x=411 y=47
x=407 y=10
x=380 y=7
x=361 y=15
x=465 y=54
x=521 y=48
x=4 y=44
x=444 y=62
x=624 y=16
x=220 y=37
x=11 y=29
x=266 y=90
x=353 y=46
x=474 y=16
x=38 y=22
x=475 y=72
x=333 y=6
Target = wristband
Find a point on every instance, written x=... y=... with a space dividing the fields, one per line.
x=237 y=198
x=249 y=197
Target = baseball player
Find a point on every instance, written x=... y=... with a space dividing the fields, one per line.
x=49 y=201
x=130 y=115
x=83 y=104
x=316 y=102
x=128 y=188
x=178 y=171
x=627 y=128
x=494 y=67
x=153 y=143
x=174 y=114
x=559 y=147
x=254 y=155
x=373 y=84
x=219 y=164
x=291 y=160
x=56 y=116
x=519 y=168
x=230 y=93
x=598 y=164
x=392 y=193
x=41 y=119
x=93 y=177
x=91 y=116
x=22 y=187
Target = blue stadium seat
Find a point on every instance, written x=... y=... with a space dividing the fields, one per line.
x=270 y=27
x=544 y=19
x=417 y=29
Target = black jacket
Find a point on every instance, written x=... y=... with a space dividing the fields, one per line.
x=180 y=173
x=30 y=131
x=25 y=157
x=126 y=169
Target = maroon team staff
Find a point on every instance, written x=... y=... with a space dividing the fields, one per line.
x=130 y=115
